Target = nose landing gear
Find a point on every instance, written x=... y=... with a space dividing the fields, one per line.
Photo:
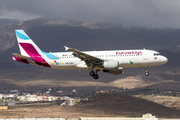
x=146 y=72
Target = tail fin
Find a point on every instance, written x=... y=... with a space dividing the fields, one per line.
x=29 y=50
x=26 y=45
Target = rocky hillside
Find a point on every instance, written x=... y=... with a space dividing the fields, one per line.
x=120 y=104
x=168 y=101
x=92 y=35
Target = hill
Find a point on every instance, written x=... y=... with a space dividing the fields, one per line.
x=107 y=105
x=119 y=104
x=169 y=101
x=4 y=21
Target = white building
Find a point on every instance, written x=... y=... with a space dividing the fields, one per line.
x=71 y=101
x=9 y=95
x=1 y=95
x=14 y=91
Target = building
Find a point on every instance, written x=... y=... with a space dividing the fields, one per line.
x=1 y=95
x=147 y=116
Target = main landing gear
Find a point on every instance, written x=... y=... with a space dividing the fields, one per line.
x=94 y=75
x=146 y=72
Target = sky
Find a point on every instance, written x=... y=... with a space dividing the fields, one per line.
x=141 y=13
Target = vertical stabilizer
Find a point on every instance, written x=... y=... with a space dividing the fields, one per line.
x=26 y=45
x=28 y=50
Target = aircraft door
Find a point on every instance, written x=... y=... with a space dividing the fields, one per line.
x=145 y=55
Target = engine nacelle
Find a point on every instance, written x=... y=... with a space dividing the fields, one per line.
x=111 y=64
x=118 y=71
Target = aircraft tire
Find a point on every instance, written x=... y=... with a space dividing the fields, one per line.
x=95 y=76
x=146 y=73
x=91 y=73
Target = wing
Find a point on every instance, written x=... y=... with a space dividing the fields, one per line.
x=21 y=56
x=90 y=60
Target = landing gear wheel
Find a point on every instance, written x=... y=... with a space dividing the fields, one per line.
x=146 y=73
x=91 y=73
x=95 y=76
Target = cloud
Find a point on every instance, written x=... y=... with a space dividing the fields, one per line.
x=144 y=13
x=17 y=15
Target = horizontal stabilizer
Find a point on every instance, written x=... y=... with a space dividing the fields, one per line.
x=21 y=56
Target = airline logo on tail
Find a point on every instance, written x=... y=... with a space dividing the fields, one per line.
x=29 y=49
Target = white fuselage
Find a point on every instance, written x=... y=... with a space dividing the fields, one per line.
x=126 y=58
x=112 y=62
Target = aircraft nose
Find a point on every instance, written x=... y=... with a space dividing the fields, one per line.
x=164 y=60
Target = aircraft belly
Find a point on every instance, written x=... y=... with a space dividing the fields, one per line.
x=64 y=67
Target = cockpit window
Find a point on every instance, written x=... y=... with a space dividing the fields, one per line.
x=156 y=54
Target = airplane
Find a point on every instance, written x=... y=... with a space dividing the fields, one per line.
x=111 y=61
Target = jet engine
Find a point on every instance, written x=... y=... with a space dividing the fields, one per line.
x=111 y=64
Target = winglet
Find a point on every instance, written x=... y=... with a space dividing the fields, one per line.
x=66 y=48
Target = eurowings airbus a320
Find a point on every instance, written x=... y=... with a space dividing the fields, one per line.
x=112 y=62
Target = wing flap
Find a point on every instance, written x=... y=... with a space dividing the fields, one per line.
x=21 y=56
x=82 y=55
